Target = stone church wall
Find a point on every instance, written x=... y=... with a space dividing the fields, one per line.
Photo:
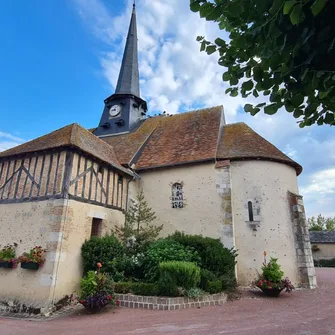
x=203 y=211
x=266 y=185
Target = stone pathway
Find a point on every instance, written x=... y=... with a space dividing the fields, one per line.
x=305 y=312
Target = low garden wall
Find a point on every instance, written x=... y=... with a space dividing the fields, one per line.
x=163 y=303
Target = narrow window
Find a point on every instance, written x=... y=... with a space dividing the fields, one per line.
x=96 y=227
x=120 y=180
x=177 y=196
x=251 y=214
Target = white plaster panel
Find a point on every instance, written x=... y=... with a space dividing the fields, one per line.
x=47 y=280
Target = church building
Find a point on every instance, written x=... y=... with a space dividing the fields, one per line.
x=198 y=173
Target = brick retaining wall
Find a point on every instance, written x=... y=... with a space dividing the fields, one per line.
x=163 y=303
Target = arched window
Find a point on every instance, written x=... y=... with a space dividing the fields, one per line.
x=251 y=214
x=177 y=196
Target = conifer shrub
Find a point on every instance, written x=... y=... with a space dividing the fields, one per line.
x=104 y=250
x=176 y=274
x=214 y=286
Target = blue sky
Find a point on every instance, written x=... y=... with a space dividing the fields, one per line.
x=60 y=59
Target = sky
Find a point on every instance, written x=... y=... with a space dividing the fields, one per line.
x=59 y=60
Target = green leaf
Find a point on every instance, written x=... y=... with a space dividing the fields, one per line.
x=200 y=38
x=266 y=92
x=206 y=9
x=234 y=92
x=255 y=111
x=297 y=113
x=320 y=121
x=195 y=6
x=317 y=6
x=330 y=118
x=295 y=15
x=248 y=108
x=261 y=104
x=248 y=85
x=323 y=95
x=235 y=8
x=271 y=109
x=288 y=6
x=228 y=90
x=275 y=6
x=226 y=76
x=258 y=73
x=297 y=100
x=255 y=93
x=220 y=42
x=233 y=81
x=210 y=49
x=203 y=46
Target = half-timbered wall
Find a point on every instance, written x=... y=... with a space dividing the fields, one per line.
x=33 y=177
x=62 y=174
x=96 y=183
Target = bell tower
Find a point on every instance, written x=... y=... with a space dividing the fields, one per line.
x=125 y=108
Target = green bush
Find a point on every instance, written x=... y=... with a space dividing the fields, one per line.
x=214 y=286
x=205 y=277
x=214 y=257
x=194 y=292
x=123 y=287
x=228 y=281
x=146 y=289
x=174 y=275
x=104 y=250
x=162 y=251
x=325 y=263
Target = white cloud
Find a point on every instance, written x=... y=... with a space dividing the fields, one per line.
x=8 y=141
x=176 y=76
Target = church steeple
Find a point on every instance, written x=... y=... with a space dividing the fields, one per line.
x=125 y=109
x=128 y=82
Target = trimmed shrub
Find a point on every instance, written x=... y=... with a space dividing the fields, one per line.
x=167 y=287
x=162 y=251
x=214 y=256
x=214 y=286
x=182 y=274
x=228 y=282
x=325 y=263
x=103 y=250
x=123 y=287
x=146 y=289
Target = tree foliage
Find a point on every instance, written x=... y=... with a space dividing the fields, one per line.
x=283 y=49
x=321 y=223
x=138 y=228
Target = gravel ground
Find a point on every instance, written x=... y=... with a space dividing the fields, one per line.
x=304 y=312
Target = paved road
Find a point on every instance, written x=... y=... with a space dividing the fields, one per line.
x=308 y=312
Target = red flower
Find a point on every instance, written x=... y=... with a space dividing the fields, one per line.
x=110 y=297
x=117 y=302
x=82 y=301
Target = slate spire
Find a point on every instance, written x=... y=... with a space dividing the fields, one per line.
x=128 y=82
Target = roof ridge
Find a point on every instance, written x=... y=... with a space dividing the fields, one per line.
x=187 y=112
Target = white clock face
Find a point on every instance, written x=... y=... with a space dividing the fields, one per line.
x=115 y=110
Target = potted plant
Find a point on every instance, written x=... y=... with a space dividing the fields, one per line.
x=271 y=281
x=33 y=259
x=8 y=256
x=96 y=291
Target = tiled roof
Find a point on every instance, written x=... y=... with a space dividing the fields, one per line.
x=192 y=137
x=170 y=140
x=322 y=236
x=70 y=136
x=239 y=141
